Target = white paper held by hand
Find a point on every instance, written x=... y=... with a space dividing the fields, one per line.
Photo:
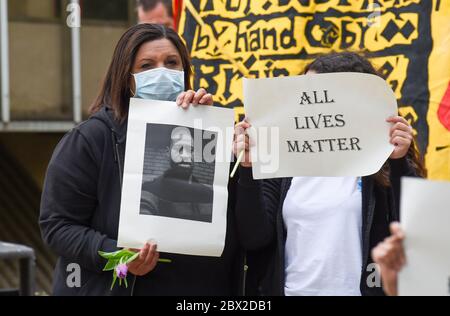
x=319 y=124
x=175 y=178
x=425 y=217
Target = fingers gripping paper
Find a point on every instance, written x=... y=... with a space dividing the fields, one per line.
x=175 y=178
x=319 y=125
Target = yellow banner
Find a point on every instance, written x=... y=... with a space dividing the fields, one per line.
x=408 y=40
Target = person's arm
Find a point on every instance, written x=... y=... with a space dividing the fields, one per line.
x=400 y=162
x=401 y=137
x=69 y=200
x=256 y=205
x=390 y=257
x=256 y=201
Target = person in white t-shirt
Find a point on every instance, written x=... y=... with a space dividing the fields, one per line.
x=313 y=235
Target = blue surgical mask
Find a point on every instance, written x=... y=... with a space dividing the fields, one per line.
x=159 y=84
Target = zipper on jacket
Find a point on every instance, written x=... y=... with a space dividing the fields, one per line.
x=244 y=277
x=119 y=164
x=368 y=205
x=117 y=156
x=132 y=286
x=113 y=138
x=281 y=240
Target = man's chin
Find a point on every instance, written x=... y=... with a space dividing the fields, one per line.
x=184 y=169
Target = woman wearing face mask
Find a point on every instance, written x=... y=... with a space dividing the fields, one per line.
x=81 y=197
x=313 y=235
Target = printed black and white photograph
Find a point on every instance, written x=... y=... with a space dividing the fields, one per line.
x=178 y=173
x=175 y=183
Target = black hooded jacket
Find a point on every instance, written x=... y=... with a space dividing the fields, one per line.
x=80 y=215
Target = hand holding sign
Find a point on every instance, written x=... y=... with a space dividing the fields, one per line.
x=323 y=125
x=201 y=97
x=390 y=257
x=241 y=143
x=401 y=136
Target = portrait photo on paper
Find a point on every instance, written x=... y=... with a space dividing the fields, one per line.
x=178 y=173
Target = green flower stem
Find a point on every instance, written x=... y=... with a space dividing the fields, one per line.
x=134 y=257
x=123 y=256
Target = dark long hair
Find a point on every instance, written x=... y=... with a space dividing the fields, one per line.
x=353 y=62
x=116 y=89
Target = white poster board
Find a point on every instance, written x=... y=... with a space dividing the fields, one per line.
x=425 y=217
x=175 y=178
x=319 y=124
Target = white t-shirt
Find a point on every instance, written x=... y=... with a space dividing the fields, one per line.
x=323 y=253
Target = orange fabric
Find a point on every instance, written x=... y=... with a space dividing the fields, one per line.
x=177 y=6
x=444 y=109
